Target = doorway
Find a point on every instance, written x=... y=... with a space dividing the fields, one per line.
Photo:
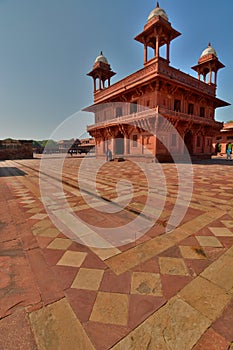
x=119 y=144
x=188 y=140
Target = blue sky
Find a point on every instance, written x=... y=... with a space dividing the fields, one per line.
x=48 y=46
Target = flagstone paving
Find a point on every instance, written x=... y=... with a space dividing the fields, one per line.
x=164 y=289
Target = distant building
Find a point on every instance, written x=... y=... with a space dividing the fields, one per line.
x=16 y=149
x=76 y=146
x=86 y=145
x=65 y=145
x=188 y=103
x=224 y=137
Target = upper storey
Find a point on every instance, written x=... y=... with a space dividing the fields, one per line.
x=157 y=32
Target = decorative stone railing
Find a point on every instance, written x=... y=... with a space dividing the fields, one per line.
x=185 y=78
x=126 y=83
x=184 y=116
x=156 y=67
x=130 y=118
x=165 y=112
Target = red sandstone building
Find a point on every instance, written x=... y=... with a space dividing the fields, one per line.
x=188 y=103
x=224 y=137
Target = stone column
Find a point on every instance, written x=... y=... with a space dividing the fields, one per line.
x=145 y=53
x=157 y=47
x=126 y=145
x=210 y=77
x=215 y=78
x=113 y=146
x=168 y=52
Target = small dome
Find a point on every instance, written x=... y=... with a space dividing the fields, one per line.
x=209 y=51
x=101 y=58
x=157 y=12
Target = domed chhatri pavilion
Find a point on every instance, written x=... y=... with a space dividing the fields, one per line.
x=157 y=94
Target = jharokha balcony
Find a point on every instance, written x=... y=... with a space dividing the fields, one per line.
x=153 y=113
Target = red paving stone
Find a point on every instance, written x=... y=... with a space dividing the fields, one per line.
x=224 y=324
x=212 y=341
x=173 y=284
x=104 y=336
x=47 y=283
x=141 y=307
x=173 y=252
x=31 y=279
x=190 y=241
x=19 y=288
x=150 y=265
x=116 y=284
x=52 y=256
x=196 y=266
x=82 y=302
x=227 y=242
x=16 y=333
x=92 y=261
x=64 y=275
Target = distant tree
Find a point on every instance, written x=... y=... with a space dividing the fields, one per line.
x=229 y=121
x=36 y=144
x=50 y=144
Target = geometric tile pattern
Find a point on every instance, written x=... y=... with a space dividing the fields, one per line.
x=113 y=291
x=70 y=258
x=145 y=283
x=89 y=279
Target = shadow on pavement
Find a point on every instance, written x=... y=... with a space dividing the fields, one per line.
x=11 y=171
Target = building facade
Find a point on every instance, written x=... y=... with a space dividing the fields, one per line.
x=223 y=138
x=130 y=114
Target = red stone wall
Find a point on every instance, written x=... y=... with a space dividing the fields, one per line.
x=16 y=150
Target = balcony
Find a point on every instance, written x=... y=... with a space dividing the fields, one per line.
x=126 y=119
x=148 y=113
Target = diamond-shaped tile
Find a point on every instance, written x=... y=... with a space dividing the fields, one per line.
x=145 y=283
x=111 y=308
x=88 y=279
x=38 y=216
x=192 y=252
x=71 y=258
x=173 y=266
x=48 y=232
x=208 y=241
x=221 y=231
x=42 y=224
x=60 y=243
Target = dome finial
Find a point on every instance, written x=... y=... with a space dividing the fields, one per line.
x=209 y=51
x=157 y=11
x=101 y=58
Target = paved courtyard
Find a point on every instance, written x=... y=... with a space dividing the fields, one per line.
x=64 y=286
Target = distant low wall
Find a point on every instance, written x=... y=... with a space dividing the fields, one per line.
x=15 y=149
